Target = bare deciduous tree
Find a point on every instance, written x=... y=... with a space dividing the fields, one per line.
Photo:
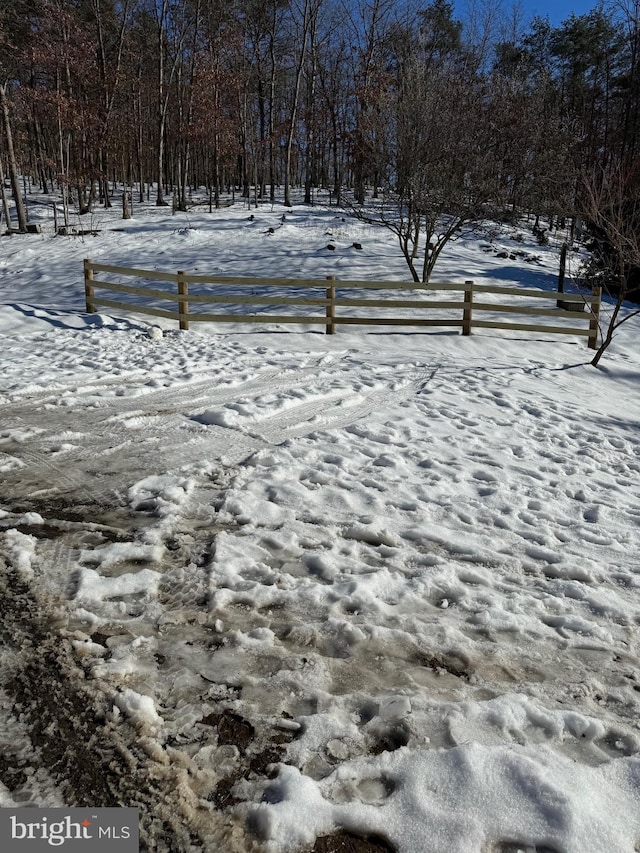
x=441 y=172
x=611 y=203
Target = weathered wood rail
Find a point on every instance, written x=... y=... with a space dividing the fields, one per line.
x=338 y=299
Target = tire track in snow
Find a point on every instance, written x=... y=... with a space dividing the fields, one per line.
x=328 y=413
x=143 y=433
x=164 y=400
x=133 y=434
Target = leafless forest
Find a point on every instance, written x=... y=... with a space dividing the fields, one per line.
x=401 y=111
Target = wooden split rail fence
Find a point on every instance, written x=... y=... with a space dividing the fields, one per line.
x=337 y=299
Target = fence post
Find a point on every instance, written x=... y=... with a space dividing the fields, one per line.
x=594 y=318
x=183 y=305
x=89 y=292
x=467 y=311
x=331 y=307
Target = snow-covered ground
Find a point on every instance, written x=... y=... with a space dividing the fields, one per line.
x=288 y=586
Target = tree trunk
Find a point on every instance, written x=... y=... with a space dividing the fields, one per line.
x=104 y=168
x=310 y=161
x=272 y=110
x=160 y=201
x=294 y=106
x=5 y=202
x=162 y=107
x=139 y=134
x=40 y=156
x=612 y=325
x=563 y=268
x=13 y=165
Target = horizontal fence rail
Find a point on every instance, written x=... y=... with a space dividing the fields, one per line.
x=339 y=299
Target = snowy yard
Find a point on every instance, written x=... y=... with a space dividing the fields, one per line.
x=274 y=586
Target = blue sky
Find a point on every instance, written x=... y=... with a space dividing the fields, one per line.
x=557 y=10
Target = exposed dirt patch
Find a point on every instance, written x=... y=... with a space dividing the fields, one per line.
x=234 y=730
x=40 y=531
x=93 y=762
x=11 y=773
x=442 y=662
x=346 y=842
x=393 y=738
x=61 y=516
